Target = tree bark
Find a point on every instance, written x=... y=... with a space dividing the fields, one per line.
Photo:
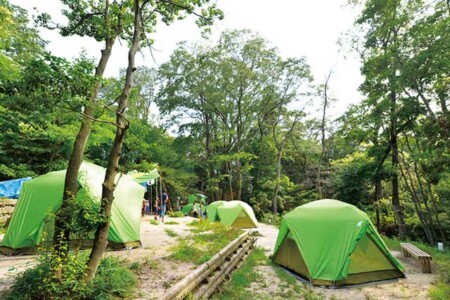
x=416 y=201
x=376 y=202
x=277 y=183
x=280 y=147
x=398 y=211
x=100 y=241
x=238 y=145
x=62 y=232
x=322 y=129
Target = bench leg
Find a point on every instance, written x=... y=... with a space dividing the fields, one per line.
x=406 y=253
x=426 y=265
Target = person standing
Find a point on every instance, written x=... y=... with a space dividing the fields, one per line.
x=157 y=206
x=163 y=205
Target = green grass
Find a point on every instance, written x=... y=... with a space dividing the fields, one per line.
x=136 y=267
x=207 y=240
x=171 y=223
x=151 y=263
x=176 y=214
x=154 y=222
x=246 y=275
x=170 y=232
x=441 y=289
x=243 y=278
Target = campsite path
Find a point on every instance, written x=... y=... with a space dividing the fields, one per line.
x=11 y=266
x=267 y=237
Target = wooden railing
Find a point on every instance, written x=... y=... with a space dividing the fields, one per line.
x=203 y=281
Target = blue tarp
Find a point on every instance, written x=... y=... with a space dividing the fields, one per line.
x=11 y=188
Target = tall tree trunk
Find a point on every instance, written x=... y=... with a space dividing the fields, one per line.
x=416 y=201
x=280 y=147
x=322 y=130
x=238 y=147
x=398 y=211
x=209 y=166
x=277 y=183
x=377 y=197
x=122 y=124
x=436 y=212
x=258 y=175
x=230 y=180
x=62 y=232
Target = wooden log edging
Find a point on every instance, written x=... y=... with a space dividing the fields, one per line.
x=205 y=291
x=233 y=252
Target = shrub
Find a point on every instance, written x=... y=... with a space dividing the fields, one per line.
x=113 y=280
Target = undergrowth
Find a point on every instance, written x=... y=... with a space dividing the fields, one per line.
x=113 y=280
x=170 y=232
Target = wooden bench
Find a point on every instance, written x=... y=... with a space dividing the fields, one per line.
x=425 y=258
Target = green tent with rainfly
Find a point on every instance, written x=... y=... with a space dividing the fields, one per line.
x=233 y=213
x=332 y=243
x=43 y=195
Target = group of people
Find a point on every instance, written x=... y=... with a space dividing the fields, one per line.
x=160 y=206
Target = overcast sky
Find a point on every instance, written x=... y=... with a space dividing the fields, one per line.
x=296 y=27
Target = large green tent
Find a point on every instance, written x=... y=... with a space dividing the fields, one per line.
x=43 y=195
x=332 y=243
x=233 y=213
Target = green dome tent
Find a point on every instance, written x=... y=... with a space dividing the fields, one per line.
x=200 y=198
x=193 y=209
x=332 y=243
x=195 y=203
x=232 y=213
x=211 y=210
x=43 y=194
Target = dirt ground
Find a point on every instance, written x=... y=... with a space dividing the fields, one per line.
x=157 y=273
